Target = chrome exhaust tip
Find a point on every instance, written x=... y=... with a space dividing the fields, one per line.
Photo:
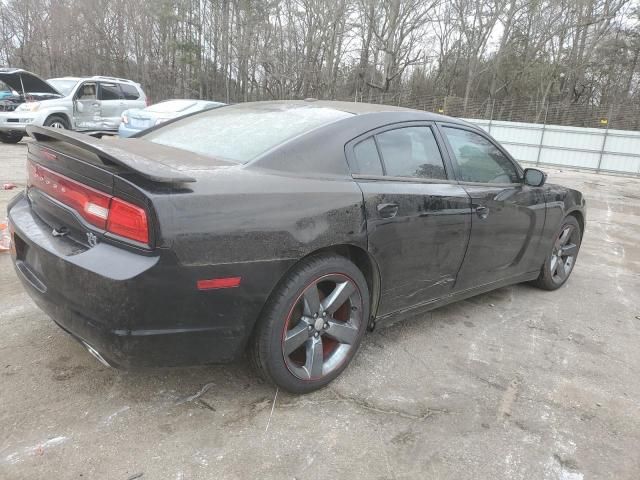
x=95 y=353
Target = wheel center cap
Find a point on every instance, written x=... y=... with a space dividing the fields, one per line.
x=319 y=323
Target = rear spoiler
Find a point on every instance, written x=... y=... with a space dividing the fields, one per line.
x=149 y=169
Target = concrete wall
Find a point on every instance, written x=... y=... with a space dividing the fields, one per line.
x=597 y=149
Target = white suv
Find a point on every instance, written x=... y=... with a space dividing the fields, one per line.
x=92 y=105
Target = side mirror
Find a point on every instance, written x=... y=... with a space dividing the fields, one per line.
x=79 y=106
x=534 y=177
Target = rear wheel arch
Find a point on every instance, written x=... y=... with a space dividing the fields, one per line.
x=266 y=345
x=359 y=256
x=365 y=262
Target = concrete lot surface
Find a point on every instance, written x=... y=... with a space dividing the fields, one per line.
x=515 y=384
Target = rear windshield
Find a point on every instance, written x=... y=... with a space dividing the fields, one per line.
x=241 y=133
x=171 y=106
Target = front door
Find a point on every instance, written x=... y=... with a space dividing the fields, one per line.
x=87 y=111
x=508 y=216
x=418 y=218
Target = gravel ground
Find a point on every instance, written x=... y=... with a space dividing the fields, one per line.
x=515 y=384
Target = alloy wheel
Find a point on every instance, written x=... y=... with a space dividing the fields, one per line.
x=322 y=327
x=57 y=124
x=563 y=255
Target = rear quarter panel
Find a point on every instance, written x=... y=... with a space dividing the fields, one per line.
x=246 y=215
x=254 y=225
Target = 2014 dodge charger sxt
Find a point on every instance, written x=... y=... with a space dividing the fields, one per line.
x=287 y=228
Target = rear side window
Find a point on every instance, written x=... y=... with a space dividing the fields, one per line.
x=130 y=92
x=109 y=91
x=411 y=152
x=366 y=160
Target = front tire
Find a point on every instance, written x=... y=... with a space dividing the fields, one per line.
x=56 y=121
x=11 y=138
x=560 y=262
x=312 y=325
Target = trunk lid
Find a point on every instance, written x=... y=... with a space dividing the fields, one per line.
x=140 y=119
x=77 y=184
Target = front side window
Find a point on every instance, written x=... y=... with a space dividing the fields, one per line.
x=87 y=92
x=478 y=159
x=411 y=152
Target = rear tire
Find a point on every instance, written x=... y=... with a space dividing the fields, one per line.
x=12 y=138
x=312 y=325
x=560 y=261
x=56 y=121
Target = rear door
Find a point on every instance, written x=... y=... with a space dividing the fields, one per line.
x=418 y=217
x=113 y=104
x=508 y=216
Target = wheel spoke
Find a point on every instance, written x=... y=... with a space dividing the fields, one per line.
x=315 y=358
x=338 y=296
x=565 y=236
x=561 y=271
x=569 y=250
x=311 y=301
x=342 y=332
x=553 y=265
x=295 y=337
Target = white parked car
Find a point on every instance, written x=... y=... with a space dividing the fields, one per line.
x=136 y=120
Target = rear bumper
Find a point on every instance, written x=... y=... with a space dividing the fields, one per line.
x=136 y=310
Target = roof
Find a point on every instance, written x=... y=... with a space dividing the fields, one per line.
x=75 y=79
x=96 y=77
x=359 y=108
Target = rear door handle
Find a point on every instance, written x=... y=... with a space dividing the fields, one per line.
x=482 y=211
x=387 y=210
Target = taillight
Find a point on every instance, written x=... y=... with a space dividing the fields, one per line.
x=98 y=208
x=128 y=220
x=91 y=204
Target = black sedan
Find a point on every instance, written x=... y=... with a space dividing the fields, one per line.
x=283 y=228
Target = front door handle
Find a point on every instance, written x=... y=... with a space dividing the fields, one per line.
x=482 y=211
x=387 y=210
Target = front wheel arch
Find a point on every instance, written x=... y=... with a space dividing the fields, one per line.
x=579 y=216
x=62 y=116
